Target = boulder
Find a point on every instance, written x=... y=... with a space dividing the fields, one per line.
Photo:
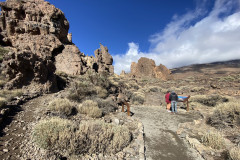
x=147 y=68
x=36 y=34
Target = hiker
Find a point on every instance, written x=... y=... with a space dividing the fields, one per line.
x=168 y=101
x=173 y=98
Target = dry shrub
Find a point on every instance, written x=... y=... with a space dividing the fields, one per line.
x=197 y=89
x=10 y=94
x=138 y=98
x=90 y=108
x=100 y=137
x=209 y=100
x=2 y=102
x=3 y=51
x=2 y=83
x=234 y=153
x=226 y=114
x=214 y=140
x=101 y=92
x=95 y=137
x=53 y=134
x=79 y=90
x=107 y=106
x=61 y=106
x=155 y=89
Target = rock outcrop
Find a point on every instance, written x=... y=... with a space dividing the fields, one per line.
x=147 y=68
x=39 y=44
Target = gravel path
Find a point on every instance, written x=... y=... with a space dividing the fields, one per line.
x=161 y=140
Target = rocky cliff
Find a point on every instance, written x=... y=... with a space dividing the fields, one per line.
x=147 y=68
x=36 y=35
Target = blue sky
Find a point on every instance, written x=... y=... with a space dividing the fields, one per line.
x=172 y=32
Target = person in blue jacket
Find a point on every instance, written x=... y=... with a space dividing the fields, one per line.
x=173 y=98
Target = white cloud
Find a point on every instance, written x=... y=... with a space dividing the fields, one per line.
x=213 y=38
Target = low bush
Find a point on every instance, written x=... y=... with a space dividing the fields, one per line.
x=79 y=90
x=61 y=106
x=226 y=114
x=137 y=98
x=90 y=108
x=101 y=92
x=209 y=100
x=100 y=137
x=107 y=106
x=53 y=134
x=234 y=153
x=94 y=137
x=10 y=94
x=214 y=140
x=3 y=101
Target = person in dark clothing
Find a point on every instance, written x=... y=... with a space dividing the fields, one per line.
x=173 y=98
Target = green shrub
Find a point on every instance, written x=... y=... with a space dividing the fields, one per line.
x=61 y=106
x=214 y=140
x=226 y=114
x=90 y=108
x=234 y=153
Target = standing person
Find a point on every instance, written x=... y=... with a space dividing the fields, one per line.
x=173 y=98
x=168 y=101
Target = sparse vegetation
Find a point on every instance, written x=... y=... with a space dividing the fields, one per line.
x=90 y=108
x=61 y=106
x=209 y=100
x=214 y=140
x=226 y=114
x=234 y=153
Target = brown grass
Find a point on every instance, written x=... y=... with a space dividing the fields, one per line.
x=90 y=108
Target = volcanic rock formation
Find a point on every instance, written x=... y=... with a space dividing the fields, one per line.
x=36 y=34
x=147 y=68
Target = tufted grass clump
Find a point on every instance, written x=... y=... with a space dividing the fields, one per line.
x=90 y=108
x=234 y=153
x=61 y=106
x=214 y=140
x=53 y=134
x=226 y=114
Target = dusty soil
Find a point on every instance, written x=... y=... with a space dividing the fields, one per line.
x=161 y=140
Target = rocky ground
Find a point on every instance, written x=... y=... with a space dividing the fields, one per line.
x=161 y=139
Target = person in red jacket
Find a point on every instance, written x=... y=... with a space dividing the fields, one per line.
x=168 y=101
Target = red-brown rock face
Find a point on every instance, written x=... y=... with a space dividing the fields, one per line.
x=147 y=68
x=36 y=34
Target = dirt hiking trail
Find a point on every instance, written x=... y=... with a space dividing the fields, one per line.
x=161 y=140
